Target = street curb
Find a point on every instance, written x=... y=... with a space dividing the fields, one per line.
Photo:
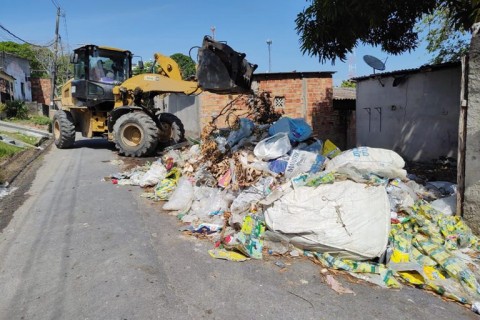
x=23 y=128
x=44 y=147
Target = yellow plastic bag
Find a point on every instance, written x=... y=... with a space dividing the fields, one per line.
x=330 y=150
x=166 y=187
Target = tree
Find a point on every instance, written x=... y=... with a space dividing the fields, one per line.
x=348 y=84
x=147 y=68
x=331 y=29
x=28 y=52
x=445 y=43
x=186 y=65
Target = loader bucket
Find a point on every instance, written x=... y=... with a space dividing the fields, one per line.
x=223 y=70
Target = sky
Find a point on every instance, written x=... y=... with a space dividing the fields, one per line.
x=175 y=26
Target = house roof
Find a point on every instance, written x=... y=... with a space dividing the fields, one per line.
x=340 y=93
x=424 y=68
x=6 y=76
x=293 y=75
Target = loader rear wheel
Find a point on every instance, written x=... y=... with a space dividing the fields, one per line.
x=171 y=128
x=135 y=134
x=63 y=129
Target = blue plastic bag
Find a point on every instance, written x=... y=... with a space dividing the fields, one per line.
x=245 y=130
x=297 y=129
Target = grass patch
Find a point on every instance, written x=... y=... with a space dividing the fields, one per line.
x=35 y=121
x=6 y=150
x=21 y=137
x=41 y=120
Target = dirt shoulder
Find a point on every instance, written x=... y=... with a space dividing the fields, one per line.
x=19 y=171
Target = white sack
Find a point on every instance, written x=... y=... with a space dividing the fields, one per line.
x=154 y=175
x=358 y=163
x=181 y=197
x=347 y=218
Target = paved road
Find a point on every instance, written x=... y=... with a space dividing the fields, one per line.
x=80 y=248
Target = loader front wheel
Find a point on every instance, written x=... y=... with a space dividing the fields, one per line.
x=171 y=128
x=63 y=129
x=135 y=134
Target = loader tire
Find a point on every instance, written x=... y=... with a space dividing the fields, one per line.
x=135 y=134
x=171 y=128
x=63 y=129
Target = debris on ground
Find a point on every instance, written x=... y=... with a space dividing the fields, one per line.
x=270 y=187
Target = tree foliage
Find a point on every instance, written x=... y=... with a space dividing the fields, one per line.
x=186 y=65
x=41 y=60
x=147 y=68
x=348 y=84
x=332 y=29
x=444 y=42
x=28 y=52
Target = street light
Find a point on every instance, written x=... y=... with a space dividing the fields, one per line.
x=269 y=43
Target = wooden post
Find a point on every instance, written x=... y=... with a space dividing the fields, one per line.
x=462 y=134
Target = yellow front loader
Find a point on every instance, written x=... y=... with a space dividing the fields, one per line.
x=104 y=99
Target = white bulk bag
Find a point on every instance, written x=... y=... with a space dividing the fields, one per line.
x=345 y=218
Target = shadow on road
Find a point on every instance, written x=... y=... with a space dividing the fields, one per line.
x=95 y=143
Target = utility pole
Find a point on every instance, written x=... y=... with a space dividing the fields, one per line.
x=213 y=32
x=269 y=43
x=55 y=54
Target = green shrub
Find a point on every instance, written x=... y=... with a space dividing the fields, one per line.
x=16 y=109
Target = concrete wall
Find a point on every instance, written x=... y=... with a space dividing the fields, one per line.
x=471 y=204
x=18 y=68
x=418 y=118
x=186 y=108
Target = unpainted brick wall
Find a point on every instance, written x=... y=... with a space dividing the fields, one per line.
x=305 y=97
x=41 y=90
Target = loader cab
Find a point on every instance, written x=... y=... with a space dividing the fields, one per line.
x=96 y=71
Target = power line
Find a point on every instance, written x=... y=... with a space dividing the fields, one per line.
x=17 y=37
x=55 y=3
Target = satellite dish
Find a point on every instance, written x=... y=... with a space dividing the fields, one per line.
x=373 y=62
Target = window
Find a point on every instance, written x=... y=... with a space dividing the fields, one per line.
x=279 y=102
x=22 y=88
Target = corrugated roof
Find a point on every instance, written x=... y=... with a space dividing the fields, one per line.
x=424 y=68
x=340 y=93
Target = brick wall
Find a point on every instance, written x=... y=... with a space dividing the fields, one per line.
x=41 y=90
x=307 y=95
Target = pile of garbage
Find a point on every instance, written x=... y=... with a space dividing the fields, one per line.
x=274 y=189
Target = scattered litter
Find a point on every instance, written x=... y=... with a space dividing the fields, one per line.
x=337 y=286
x=5 y=190
x=227 y=255
x=267 y=185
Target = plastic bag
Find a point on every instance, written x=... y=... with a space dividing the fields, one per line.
x=447 y=205
x=303 y=161
x=166 y=187
x=182 y=197
x=154 y=175
x=297 y=129
x=245 y=130
x=360 y=163
x=273 y=147
x=330 y=150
